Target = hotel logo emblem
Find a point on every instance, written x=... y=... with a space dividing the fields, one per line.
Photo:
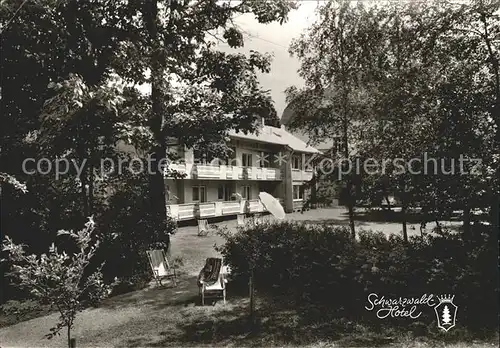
x=446 y=312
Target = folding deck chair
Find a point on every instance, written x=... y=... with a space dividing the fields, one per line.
x=160 y=266
x=202 y=227
x=212 y=280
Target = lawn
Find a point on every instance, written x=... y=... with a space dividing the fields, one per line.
x=170 y=316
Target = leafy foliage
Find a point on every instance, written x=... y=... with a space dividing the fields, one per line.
x=60 y=279
x=13 y=181
x=405 y=80
x=73 y=71
x=130 y=233
x=322 y=267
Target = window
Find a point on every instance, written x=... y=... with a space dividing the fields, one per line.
x=246 y=160
x=199 y=194
x=309 y=164
x=202 y=156
x=199 y=156
x=231 y=157
x=338 y=145
x=228 y=192
x=224 y=192
x=298 y=192
x=296 y=162
x=245 y=192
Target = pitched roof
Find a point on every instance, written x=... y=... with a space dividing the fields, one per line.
x=295 y=143
x=273 y=135
x=263 y=136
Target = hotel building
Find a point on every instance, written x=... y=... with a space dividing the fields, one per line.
x=271 y=160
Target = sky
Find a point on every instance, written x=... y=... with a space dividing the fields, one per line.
x=275 y=39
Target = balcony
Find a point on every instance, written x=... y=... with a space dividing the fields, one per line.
x=301 y=175
x=249 y=173
x=177 y=167
x=298 y=204
x=223 y=172
x=188 y=211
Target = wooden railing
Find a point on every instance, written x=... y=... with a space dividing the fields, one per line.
x=188 y=211
x=301 y=175
x=298 y=204
x=223 y=172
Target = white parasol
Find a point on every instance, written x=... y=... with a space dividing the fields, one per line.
x=272 y=205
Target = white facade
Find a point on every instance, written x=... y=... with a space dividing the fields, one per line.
x=272 y=161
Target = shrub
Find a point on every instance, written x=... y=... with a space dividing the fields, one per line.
x=14 y=311
x=59 y=279
x=128 y=230
x=321 y=265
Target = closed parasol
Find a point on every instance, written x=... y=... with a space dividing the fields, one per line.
x=272 y=205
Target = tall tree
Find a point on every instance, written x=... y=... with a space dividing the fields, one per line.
x=194 y=86
x=198 y=93
x=422 y=81
x=432 y=95
x=332 y=103
x=44 y=42
x=489 y=34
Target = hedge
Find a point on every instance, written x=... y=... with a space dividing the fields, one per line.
x=321 y=265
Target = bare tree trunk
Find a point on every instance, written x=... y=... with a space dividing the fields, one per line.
x=156 y=178
x=404 y=222
x=438 y=225
x=71 y=342
x=388 y=202
x=251 y=289
x=466 y=221
x=493 y=60
x=495 y=212
x=350 y=200
x=83 y=192
x=314 y=193
x=345 y=125
x=350 y=207
x=82 y=154
x=91 y=187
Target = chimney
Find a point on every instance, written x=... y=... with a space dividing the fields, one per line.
x=283 y=127
x=263 y=120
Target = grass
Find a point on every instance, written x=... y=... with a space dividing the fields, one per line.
x=15 y=311
x=169 y=316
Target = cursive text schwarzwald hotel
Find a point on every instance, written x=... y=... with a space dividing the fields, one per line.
x=399 y=307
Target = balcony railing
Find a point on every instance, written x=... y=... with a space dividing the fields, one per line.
x=207 y=172
x=298 y=204
x=223 y=172
x=301 y=175
x=177 y=167
x=230 y=208
x=188 y=211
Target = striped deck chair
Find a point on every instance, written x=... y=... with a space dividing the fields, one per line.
x=212 y=280
x=160 y=266
x=241 y=220
x=202 y=227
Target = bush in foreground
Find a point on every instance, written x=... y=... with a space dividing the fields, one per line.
x=58 y=279
x=320 y=266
